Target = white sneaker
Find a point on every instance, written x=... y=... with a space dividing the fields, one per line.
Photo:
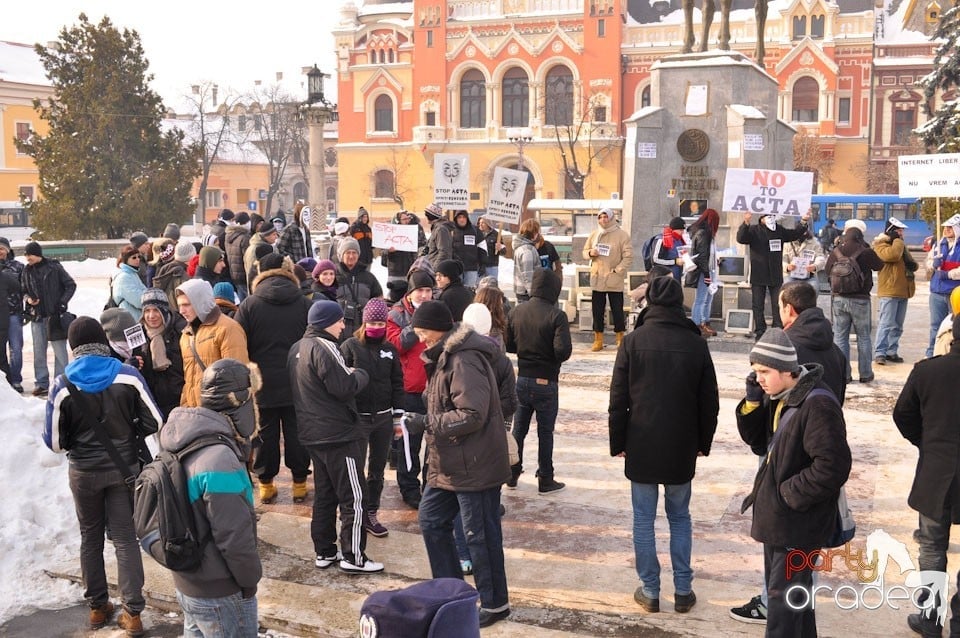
x=326 y=561
x=363 y=565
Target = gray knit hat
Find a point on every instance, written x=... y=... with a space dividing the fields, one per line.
x=775 y=351
x=347 y=244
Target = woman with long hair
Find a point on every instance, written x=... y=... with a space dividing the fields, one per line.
x=493 y=299
x=704 y=251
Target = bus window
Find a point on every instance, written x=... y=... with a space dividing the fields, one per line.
x=871 y=212
x=840 y=212
x=815 y=212
x=904 y=212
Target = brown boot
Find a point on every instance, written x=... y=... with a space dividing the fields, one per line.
x=130 y=622
x=706 y=332
x=619 y=338
x=713 y=333
x=597 y=342
x=100 y=616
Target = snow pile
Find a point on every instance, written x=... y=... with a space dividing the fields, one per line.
x=39 y=528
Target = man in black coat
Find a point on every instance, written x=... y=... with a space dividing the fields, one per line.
x=926 y=414
x=663 y=414
x=789 y=415
x=355 y=285
x=539 y=333
x=766 y=241
x=274 y=316
x=453 y=293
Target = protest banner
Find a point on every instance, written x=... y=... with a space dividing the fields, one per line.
x=402 y=237
x=451 y=181
x=935 y=175
x=505 y=202
x=765 y=192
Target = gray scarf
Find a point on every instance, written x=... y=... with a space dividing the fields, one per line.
x=158 y=349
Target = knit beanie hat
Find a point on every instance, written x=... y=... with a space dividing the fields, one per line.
x=5 y=243
x=433 y=315
x=420 y=279
x=270 y=261
x=172 y=231
x=86 y=330
x=33 y=248
x=299 y=272
x=665 y=291
x=138 y=239
x=209 y=256
x=477 y=316
x=322 y=266
x=225 y=290
x=488 y=282
x=266 y=230
x=126 y=253
x=226 y=215
x=155 y=297
x=347 y=244
x=433 y=212
x=375 y=310
x=184 y=251
x=261 y=250
x=241 y=218
x=308 y=264
x=452 y=268
x=774 y=350
x=114 y=322
x=324 y=314
x=677 y=223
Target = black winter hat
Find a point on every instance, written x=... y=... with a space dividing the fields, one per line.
x=420 y=279
x=452 y=268
x=677 y=223
x=270 y=261
x=262 y=250
x=324 y=313
x=241 y=218
x=33 y=248
x=138 y=239
x=665 y=291
x=228 y=386
x=226 y=215
x=172 y=231
x=85 y=330
x=433 y=315
x=5 y=243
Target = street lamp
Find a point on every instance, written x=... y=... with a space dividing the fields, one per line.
x=520 y=137
x=318 y=111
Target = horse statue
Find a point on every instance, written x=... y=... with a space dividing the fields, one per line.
x=709 y=7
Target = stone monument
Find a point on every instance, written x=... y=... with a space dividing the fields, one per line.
x=709 y=112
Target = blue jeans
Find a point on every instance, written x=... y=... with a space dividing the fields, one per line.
x=849 y=312
x=939 y=310
x=677 y=505
x=225 y=617
x=40 y=370
x=700 y=313
x=470 y=278
x=480 y=512
x=544 y=400
x=893 y=312
x=492 y=271
x=15 y=341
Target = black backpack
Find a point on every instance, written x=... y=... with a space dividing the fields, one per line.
x=646 y=251
x=846 y=277
x=110 y=301
x=162 y=512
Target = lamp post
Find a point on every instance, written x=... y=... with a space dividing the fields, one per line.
x=318 y=112
x=520 y=137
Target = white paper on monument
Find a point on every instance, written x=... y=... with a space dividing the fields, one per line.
x=135 y=336
x=402 y=237
x=936 y=175
x=766 y=192
x=451 y=180
x=506 y=195
x=696 y=100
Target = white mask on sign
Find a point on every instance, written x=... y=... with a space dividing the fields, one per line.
x=770 y=222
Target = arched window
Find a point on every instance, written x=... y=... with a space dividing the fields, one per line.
x=390 y=56
x=559 y=97
x=331 y=198
x=806 y=100
x=816 y=27
x=645 y=96
x=383 y=185
x=516 y=98
x=383 y=113
x=473 y=100
x=799 y=27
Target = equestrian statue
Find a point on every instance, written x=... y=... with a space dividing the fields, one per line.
x=709 y=7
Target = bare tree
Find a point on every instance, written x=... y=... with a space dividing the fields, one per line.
x=581 y=134
x=809 y=155
x=882 y=174
x=277 y=131
x=210 y=128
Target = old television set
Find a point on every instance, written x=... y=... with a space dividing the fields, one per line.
x=738 y=321
x=634 y=279
x=583 y=280
x=732 y=268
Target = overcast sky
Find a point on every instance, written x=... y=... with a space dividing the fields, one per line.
x=187 y=42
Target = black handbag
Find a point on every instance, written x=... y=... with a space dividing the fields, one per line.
x=57 y=326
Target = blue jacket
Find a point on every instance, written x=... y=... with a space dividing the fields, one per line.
x=126 y=405
x=126 y=288
x=940 y=283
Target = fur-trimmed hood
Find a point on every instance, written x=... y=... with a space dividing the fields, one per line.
x=285 y=270
x=462 y=337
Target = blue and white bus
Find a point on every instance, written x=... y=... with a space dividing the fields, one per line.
x=874 y=210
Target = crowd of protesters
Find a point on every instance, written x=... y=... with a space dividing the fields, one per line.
x=353 y=378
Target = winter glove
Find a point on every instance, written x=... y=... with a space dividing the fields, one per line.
x=415 y=422
x=754 y=391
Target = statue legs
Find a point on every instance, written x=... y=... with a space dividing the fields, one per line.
x=688 y=26
x=708 y=10
x=725 y=6
x=760 y=10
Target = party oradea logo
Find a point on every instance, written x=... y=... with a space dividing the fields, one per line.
x=368 y=626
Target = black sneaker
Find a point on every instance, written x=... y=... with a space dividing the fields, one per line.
x=514 y=477
x=753 y=612
x=894 y=358
x=412 y=500
x=39 y=392
x=18 y=388
x=651 y=605
x=880 y=361
x=549 y=486
x=868 y=379
x=487 y=618
x=682 y=603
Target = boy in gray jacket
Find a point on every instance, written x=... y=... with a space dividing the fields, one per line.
x=220 y=598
